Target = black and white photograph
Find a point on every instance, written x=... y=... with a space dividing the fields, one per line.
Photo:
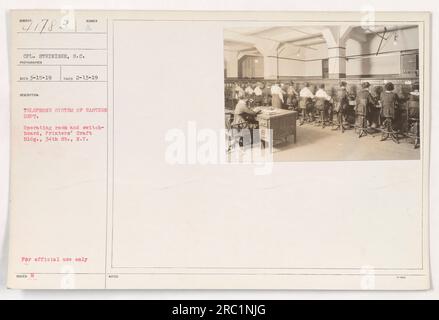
x=337 y=92
x=283 y=151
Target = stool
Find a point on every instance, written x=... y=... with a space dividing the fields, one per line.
x=318 y=118
x=361 y=125
x=388 y=131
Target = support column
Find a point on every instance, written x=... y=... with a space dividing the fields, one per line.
x=270 y=68
x=269 y=51
x=337 y=62
x=336 y=38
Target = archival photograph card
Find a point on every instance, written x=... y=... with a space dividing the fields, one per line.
x=219 y=150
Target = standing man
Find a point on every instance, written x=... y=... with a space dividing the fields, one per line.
x=291 y=96
x=266 y=94
x=238 y=91
x=249 y=91
x=363 y=108
x=341 y=105
x=258 y=94
x=277 y=97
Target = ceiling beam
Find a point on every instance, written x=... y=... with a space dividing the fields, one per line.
x=309 y=37
x=309 y=43
x=248 y=49
x=304 y=46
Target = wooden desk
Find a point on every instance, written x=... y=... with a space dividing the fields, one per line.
x=281 y=122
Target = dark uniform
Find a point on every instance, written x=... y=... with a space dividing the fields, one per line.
x=413 y=106
x=413 y=118
x=341 y=106
x=363 y=110
x=266 y=96
x=291 y=97
x=389 y=102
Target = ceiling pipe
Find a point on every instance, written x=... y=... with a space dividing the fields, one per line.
x=382 y=29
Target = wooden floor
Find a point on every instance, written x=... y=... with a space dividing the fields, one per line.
x=318 y=144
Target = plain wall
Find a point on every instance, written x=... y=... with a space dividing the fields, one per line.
x=307 y=62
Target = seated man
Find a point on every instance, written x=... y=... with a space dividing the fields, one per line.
x=389 y=105
x=413 y=115
x=374 y=116
x=258 y=94
x=322 y=103
x=306 y=106
x=413 y=105
x=291 y=96
x=244 y=118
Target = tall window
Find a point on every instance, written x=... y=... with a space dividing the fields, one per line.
x=410 y=63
